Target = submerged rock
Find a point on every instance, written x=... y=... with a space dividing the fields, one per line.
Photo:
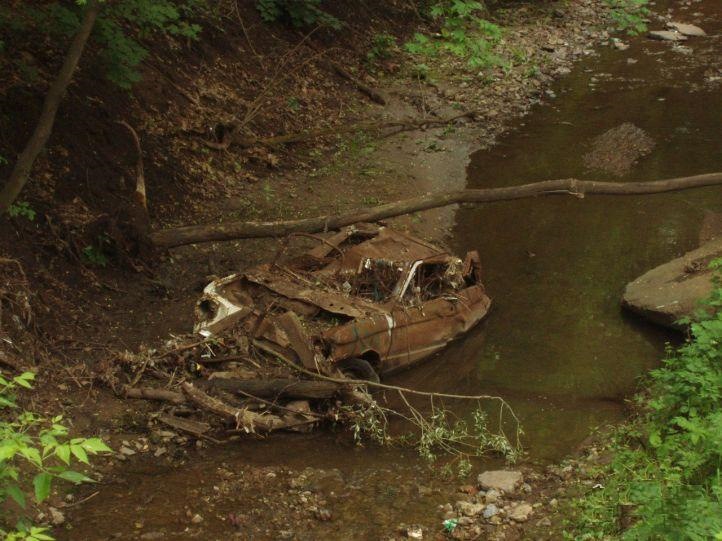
x=504 y=480
x=673 y=290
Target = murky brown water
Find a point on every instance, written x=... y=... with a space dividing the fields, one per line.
x=557 y=345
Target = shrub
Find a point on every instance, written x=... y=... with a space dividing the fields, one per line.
x=668 y=463
x=629 y=15
x=31 y=445
x=463 y=33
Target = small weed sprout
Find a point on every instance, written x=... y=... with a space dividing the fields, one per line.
x=22 y=208
x=382 y=46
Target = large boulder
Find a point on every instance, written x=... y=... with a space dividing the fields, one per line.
x=673 y=290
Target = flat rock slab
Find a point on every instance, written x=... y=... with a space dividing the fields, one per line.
x=667 y=35
x=673 y=290
x=687 y=29
x=504 y=480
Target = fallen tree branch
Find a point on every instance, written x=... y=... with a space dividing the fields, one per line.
x=246 y=420
x=179 y=236
x=150 y=393
x=360 y=85
x=275 y=388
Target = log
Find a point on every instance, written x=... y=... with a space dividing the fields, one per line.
x=195 y=428
x=246 y=420
x=150 y=393
x=276 y=388
x=180 y=236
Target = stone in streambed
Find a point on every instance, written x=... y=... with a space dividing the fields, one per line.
x=687 y=29
x=667 y=35
x=521 y=512
x=504 y=480
x=673 y=290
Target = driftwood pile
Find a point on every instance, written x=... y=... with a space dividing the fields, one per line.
x=223 y=386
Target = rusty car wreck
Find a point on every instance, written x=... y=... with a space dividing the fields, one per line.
x=365 y=301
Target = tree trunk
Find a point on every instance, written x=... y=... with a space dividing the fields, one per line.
x=168 y=238
x=44 y=128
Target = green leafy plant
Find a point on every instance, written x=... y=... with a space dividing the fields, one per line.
x=629 y=15
x=437 y=434
x=34 y=452
x=463 y=33
x=94 y=256
x=667 y=469
x=22 y=208
x=381 y=47
x=299 y=13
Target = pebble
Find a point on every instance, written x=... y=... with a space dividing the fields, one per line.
x=197 y=519
x=492 y=496
x=521 y=512
x=414 y=532
x=469 y=509
x=490 y=510
x=56 y=516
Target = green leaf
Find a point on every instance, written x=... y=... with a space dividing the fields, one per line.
x=32 y=454
x=75 y=477
x=16 y=494
x=79 y=453
x=8 y=449
x=41 y=484
x=63 y=453
x=655 y=440
x=96 y=445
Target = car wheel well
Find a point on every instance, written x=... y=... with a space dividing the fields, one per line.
x=372 y=357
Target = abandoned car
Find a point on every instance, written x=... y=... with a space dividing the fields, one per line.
x=365 y=301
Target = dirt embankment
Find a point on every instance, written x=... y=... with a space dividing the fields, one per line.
x=89 y=302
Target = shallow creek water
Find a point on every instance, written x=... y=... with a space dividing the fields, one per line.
x=556 y=345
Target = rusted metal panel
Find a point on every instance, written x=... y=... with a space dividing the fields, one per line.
x=404 y=297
